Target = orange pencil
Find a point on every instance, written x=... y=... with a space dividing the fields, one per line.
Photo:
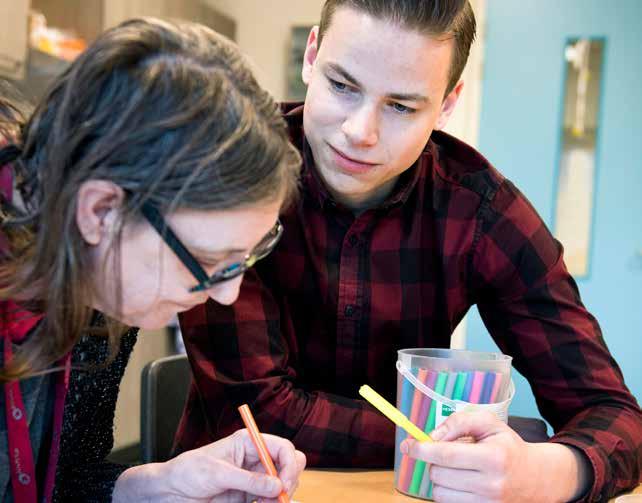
x=258 y=442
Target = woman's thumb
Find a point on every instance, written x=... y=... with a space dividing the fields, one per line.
x=257 y=484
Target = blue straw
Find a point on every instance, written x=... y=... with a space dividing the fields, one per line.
x=487 y=390
x=468 y=387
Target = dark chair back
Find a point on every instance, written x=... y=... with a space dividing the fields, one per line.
x=164 y=387
x=531 y=429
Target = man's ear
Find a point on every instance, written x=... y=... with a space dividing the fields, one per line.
x=97 y=206
x=310 y=55
x=448 y=105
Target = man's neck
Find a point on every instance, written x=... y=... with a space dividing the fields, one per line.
x=360 y=203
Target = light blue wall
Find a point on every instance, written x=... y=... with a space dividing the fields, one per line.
x=519 y=134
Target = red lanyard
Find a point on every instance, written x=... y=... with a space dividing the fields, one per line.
x=23 y=473
x=14 y=323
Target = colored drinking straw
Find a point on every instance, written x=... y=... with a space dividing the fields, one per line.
x=418 y=410
x=494 y=396
x=475 y=391
x=261 y=448
x=407 y=390
x=425 y=487
x=478 y=383
x=487 y=390
x=392 y=413
x=420 y=465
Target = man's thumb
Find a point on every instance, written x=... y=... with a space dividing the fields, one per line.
x=466 y=424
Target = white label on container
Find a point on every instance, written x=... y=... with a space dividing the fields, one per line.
x=443 y=411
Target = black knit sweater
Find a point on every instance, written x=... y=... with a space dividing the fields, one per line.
x=84 y=474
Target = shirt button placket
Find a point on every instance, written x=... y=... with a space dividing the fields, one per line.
x=349 y=308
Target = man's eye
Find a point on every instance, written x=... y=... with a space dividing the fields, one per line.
x=338 y=86
x=403 y=109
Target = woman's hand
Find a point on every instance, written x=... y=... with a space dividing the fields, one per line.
x=498 y=466
x=228 y=470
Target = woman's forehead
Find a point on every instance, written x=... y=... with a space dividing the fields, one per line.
x=224 y=231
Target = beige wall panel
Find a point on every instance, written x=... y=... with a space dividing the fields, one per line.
x=263 y=33
x=13 y=38
x=83 y=17
x=150 y=346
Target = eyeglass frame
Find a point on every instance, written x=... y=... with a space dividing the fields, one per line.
x=205 y=282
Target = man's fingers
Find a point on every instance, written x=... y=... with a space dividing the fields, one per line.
x=450 y=454
x=478 y=425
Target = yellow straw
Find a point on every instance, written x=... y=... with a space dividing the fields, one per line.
x=392 y=413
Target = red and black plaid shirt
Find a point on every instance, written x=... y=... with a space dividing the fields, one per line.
x=328 y=310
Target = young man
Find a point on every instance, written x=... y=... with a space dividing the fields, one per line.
x=399 y=231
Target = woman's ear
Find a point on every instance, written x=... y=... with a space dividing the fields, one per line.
x=97 y=207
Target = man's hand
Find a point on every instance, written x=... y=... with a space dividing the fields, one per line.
x=498 y=466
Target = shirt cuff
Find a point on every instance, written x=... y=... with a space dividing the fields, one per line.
x=599 y=463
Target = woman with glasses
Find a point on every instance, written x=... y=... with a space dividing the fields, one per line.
x=149 y=178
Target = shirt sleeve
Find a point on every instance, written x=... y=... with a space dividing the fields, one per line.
x=247 y=353
x=532 y=308
x=84 y=474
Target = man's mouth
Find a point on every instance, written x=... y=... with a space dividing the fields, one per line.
x=349 y=163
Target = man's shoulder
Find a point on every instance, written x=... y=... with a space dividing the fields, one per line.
x=456 y=163
x=292 y=112
x=291 y=109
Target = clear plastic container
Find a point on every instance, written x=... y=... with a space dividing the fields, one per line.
x=431 y=385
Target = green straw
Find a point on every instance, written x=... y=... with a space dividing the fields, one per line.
x=420 y=466
x=457 y=391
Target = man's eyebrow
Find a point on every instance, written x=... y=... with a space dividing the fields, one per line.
x=344 y=73
x=419 y=98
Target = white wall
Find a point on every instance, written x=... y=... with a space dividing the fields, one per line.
x=263 y=33
x=464 y=123
x=150 y=346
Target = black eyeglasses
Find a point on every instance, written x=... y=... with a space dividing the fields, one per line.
x=205 y=282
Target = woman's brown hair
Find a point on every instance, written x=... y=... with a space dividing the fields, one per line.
x=169 y=112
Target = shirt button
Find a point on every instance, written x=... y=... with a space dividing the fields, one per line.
x=349 y=310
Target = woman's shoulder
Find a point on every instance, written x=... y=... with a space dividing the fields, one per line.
x=94 y=349
x=84 y=474
x=92 y=395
